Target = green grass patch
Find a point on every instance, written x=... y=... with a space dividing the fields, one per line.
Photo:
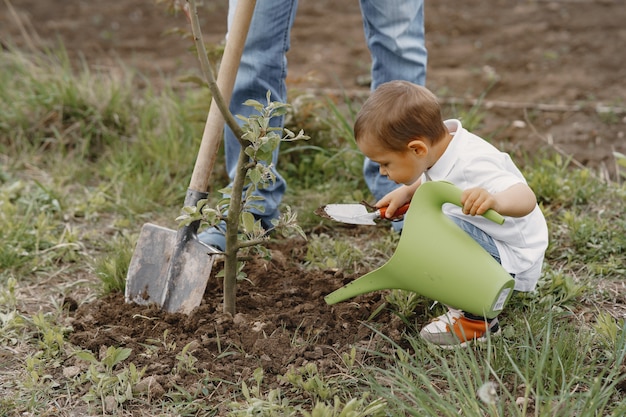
x=86 y=156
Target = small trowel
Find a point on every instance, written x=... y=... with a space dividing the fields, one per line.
x=357 y=213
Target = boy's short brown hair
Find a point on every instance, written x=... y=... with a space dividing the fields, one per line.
x=398 y=112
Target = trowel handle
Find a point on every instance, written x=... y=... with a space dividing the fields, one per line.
x=400 y=211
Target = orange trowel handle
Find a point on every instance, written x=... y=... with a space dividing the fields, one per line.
x=399 y=212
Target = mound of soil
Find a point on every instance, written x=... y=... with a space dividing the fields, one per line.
x=282 y=322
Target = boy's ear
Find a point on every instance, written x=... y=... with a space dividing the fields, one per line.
x=418 y=146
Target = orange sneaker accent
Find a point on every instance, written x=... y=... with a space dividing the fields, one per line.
x=466 y=329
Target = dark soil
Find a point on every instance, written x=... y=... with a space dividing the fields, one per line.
x=544 y=67
x=282 y=321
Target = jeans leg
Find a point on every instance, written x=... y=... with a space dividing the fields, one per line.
x=263 y=68
x=394 y=31
x=482 y=238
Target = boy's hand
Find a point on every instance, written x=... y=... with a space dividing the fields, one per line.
x=516 y=201
x=395 y=199
x=476 y=201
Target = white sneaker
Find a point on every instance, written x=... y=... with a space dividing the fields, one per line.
x=455 y=329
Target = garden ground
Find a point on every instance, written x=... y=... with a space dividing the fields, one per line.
x=549 y=74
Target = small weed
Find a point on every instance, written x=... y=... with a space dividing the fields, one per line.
x=404 y=303
x=620 y=163
x=608 y=332
x=12 y=325
x=168 y=345
x=559 y=289
x=107 y=386
x=256 y=403
x=186 y=360
x=356 y=407
x=8 y=299
x=51 y=336
x=324 y=252
x=310 y=381
x=112 y=268
x=555 y=184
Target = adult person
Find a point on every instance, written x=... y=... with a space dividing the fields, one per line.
x=394 y=32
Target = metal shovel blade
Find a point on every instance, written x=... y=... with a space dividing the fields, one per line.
x=348 y=213
x=168 y=271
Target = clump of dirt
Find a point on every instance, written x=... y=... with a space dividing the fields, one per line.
x=282 y=322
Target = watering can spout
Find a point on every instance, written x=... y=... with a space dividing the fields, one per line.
x=438 y=260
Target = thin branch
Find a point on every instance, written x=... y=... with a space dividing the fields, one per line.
x=249 y=243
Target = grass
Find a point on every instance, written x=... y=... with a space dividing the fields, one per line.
x=551 y=370
x=84 y=155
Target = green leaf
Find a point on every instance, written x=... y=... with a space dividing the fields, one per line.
x=253 y=103
x=193 y=79
x=244 y=390
x=255 y=175
x=86 y=356
x=115 y=355
x=247 y=221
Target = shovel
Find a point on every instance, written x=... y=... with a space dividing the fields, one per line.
x=171 y=268
x=355 y=213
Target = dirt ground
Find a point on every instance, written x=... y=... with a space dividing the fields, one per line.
x=282 y=322
x=553 y=77
x=551 y=71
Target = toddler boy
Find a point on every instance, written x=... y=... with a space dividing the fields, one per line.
x=400 y=127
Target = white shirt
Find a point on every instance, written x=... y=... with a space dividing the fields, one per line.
x=470 y=161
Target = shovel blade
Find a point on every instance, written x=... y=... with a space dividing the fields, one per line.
x=347 y=213
x=161 y=273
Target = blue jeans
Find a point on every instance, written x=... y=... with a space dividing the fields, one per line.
x=394 y=31
x=482 y=238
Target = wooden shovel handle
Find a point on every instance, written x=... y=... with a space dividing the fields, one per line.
x=214 y=127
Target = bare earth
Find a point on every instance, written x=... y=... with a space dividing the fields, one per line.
x=555 y=66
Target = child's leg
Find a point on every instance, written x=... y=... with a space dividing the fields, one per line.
x=482 y=238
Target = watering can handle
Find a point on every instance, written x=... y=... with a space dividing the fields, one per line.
x=494 y=216
x=450 y=193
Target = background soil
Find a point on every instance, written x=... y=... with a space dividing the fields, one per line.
x=548 y=70
x=549 y=64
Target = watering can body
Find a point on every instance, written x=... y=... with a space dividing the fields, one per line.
x=438 y=260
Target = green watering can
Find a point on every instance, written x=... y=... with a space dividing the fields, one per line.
x=437 y=259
